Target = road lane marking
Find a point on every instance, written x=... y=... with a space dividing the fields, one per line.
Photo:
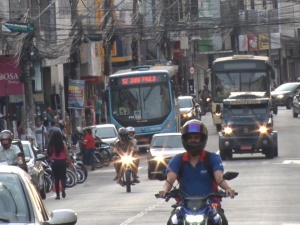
x=142 y=213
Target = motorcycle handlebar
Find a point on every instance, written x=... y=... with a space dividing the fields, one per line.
x=170 y=195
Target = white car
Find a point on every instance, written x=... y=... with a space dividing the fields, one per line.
x=163 y=147
x=20 y=202
x=107 y=132
x=35 y=167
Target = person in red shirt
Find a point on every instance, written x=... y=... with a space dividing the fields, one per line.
x=89 y=149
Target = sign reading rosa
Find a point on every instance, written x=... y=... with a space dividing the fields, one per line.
x=9 y=77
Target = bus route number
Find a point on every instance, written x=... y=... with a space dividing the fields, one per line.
x=124 y=111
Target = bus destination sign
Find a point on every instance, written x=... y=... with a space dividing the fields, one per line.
x=140 y=79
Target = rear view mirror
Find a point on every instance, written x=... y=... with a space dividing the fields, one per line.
x=230 y=175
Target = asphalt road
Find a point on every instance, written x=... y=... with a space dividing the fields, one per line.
x=268 y=188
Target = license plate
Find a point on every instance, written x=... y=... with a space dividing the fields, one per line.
x=246 y=147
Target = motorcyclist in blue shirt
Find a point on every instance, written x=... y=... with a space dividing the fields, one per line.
x=195 y=179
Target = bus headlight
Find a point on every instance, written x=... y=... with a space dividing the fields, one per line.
x=227 y=130
x=263 y=129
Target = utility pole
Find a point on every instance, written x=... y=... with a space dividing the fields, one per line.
x=107 y=42
x=27 y=71
x=75 y=116
x=135 y=36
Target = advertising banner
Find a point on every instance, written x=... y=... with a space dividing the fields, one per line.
x=76 y=94
x=10 y=83
x=243 y=43
x=252 y=42
x=263 y=40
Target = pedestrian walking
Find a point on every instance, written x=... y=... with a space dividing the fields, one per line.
x=89 y=149
x=58 y=152
x=41 y=134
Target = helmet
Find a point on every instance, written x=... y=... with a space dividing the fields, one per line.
x=6 y=134
x=123 y=133
x=195 y=127
x=131 y=132
x=79 y=129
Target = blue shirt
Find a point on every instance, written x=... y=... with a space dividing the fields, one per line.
x=195 y=181
x=9 y=155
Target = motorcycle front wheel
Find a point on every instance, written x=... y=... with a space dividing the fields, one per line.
x=127 y=180
x=71 y=179
x=48 y=183
x=81 y=176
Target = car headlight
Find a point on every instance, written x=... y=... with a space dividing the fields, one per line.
x=159 y=158
x=194 y=218
x=227 y=130
x=263 y=129
x=279 y=96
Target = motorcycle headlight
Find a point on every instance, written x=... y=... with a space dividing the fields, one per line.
x=194 y=218
x=263 y=129
x=227 y=130
x=126 y=159
x=189 y=114
x=279 y=96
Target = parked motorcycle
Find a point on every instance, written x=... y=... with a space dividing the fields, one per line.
x=196 y=210
x=78 y=167
x=48 y=175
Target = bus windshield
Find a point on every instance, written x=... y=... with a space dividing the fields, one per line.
x=225 y=83
x=141 y=102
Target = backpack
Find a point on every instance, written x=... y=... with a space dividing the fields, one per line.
x=206 y=162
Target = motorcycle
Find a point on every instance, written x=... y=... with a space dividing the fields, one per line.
x=127 y=174
x=48 y=176
x=78 y=167
x=102 y=154
x=196 y=210
x=206 y=105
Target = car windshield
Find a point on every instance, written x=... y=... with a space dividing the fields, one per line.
x=26 y=149
x=287 y=87
x=13 y=206
x=185 y=103
x=172 y=141
x=105 y=132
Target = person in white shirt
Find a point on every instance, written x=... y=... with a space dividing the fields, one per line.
x=41 y=135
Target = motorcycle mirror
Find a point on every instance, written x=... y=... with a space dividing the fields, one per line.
x=230 y=175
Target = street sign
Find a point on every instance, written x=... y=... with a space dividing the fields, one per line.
x=17 y=27
x=192 y=70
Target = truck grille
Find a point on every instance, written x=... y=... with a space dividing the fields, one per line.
x=246 y=130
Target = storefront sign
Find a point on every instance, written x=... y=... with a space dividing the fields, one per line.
x=10 y=83
x=76 y=94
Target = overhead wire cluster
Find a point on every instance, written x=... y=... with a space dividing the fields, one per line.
x=160 y=19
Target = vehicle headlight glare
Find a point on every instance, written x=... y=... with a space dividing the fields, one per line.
x=263 y=129
x=159 y=158
x=228 y=130
x=189 y=114
x=279 y=96
x=126 y=159
x=194 y=218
